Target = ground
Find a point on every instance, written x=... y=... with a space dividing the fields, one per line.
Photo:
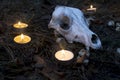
x=36 y=61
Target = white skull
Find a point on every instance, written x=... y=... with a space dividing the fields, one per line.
x=73 y=26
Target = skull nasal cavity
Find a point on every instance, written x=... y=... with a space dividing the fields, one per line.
x=94 y=38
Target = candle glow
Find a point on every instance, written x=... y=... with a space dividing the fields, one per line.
x=20 y=25
x=91 y=8
x=22 y=39
x=64 y=55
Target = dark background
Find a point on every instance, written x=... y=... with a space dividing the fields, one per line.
x=35 y=60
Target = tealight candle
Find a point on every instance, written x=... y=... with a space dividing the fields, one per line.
x=64 y=55
x=20 y=25
x=91 y=8
x=22 y=39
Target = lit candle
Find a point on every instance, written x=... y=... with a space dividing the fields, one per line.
x=64 y=55
x=20 y=25
x=22 y=39
x=91 y=8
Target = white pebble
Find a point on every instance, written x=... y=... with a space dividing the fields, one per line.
x=118 y=50
x=117 y=28
x=111 y=23
x=117 y=24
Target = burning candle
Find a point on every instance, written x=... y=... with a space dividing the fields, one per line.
x=91 y=8
x=20 y=25
x=64 y=55
x=22 y=39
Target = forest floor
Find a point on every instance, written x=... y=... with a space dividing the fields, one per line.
x=35 y=60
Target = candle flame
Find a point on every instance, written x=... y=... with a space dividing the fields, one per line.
x=63 y=51
x=19 y=23
x=91 y=6
x=63 y=54
x=22 y=36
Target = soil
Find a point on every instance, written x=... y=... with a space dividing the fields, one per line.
x=35 y=60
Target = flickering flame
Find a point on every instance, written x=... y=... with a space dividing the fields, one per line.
x=91 y=6
x=63 y=54
x=19 y=23
x=22 y=36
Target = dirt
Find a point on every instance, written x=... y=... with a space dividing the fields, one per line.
x=36 y=61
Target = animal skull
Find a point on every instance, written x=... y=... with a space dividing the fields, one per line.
x=73 y=26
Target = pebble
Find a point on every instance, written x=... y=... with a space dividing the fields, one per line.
x=82 y=52
x=117 y=24
x=111 y=23
x=117 y=28
x=118 y=50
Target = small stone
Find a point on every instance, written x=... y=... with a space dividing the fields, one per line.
x=117 y=28
x=79 y=60
x=111 y=23
x=82 y=52
x=117 y=24
x=81 y=56
x=86 y=61
x=118 y=50
x=59 y=40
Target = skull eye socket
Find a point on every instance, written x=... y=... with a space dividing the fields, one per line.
x=64 y=22
x=64 y=26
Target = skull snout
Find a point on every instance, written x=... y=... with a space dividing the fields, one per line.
x=52 y=24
